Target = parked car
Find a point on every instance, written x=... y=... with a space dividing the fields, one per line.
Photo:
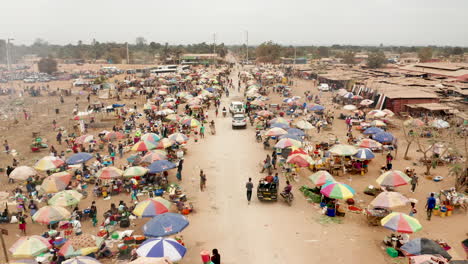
x=236 y=107
x=239 y=120
x=324 y=87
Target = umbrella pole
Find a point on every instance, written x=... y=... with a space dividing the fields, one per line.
x=3 y=243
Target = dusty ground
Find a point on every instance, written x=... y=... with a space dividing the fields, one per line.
x=259 y=232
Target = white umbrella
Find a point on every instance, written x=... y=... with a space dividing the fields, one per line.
x=349 y=107
x=22 y=173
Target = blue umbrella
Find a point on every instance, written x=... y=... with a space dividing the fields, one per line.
x=383 y=137
x=160 y=166
x=210 y=89
x=316 y=108
x=296 y=131
x=364 y=154
x=134 y=159
x=348 y=95
x=162 y=247
x=165 y=224
x=423 y=246
x=79 y=157
x=373 y=130
x=280 y=125
x=291 y=136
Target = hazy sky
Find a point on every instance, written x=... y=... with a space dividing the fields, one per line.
x=295 y=22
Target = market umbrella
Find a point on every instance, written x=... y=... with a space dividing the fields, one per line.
x=376 y=113
x=165 y=225
x=144 y=146
x=145 y=260
x=84 y=139
x=401 y=223
x=281 y=120
x=315 y=108
x=287 y=142
x=439 y=123
x=178 y=138
x=151 y=137
x=364 y=154
x=280 y=125
x=29 y=246
x=431 y=259
x=154 y=155
x=81 y=260
x=393 y=178
x=135 y=159
x=421 y=246
x=56 y=182
x=81 y=245
x=152 y=207
x=23 y=261
x=66 y=198
x=108 y=173
x=302 y=124
x=79 y=157
x=373 y=130
x=276 y=131
x=160 y=166
x=348 y=95
x=414 y=122
x=165 y=143
x=113 y=135
x=301 y=160
x=337 y=190
x=389 y=200
x=388 y=112
x=349 y=107
x=135 y=171
x=321 y=177
x=383 y=137
x=22 y=173
x=296 y=132
x=50 y=214
x=369 y=143
x=366 y=102
x=294 y=137
x=264 y=113
x=173 y=117
x=343 y=150
x=48 y=163
x=378 y=123
x=162 y=247
x=191 y=122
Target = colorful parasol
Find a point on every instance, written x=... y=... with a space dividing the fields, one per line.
x=113 y=135
x=162 y=247
x=401 y=223
x=343 y=150
x=337 y=190
x=144 y=146
x=321 y=177
x=165 y=225
x=383 y=137
x=369 y=143
x=66 y=198
x=81 y=245
x=48 y=163
x=81 y=260
x=296 y=131
x=191 y=122
x=50 y=214
x=22 y=173
x=302 y=124
x=300 y=160
x=364 y=154
x=178 y=138
x=56 y=182
x=152 y=207
x=135 y=171
x=264 y=113
x=372 y=130
x=80 y=157
x=165 y=143
x=349 y=107
x=280 y=120
x=29 y=246
x=160 y=166
x=151 y=138
x=84 y=139
x=154 y=155
x=393 y=178
x=287 y=142
x=389 y=200
x=108 y=173
x=376 y=113
x=276 y=131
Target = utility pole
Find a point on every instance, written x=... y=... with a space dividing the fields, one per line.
x=294 y=57
x=128 y=57
x=214 y=48
x=8 y=53
x=247 y=45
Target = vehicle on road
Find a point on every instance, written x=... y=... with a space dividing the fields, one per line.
x=267 y=191
x=239 y=120
x=236 y=107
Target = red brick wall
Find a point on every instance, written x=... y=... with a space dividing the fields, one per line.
x=399 y=105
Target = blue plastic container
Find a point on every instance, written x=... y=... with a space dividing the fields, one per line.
x=331 y=212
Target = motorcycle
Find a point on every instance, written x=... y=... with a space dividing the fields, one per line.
x=266 y=144
x=258 y=137
x=224 y=113
x=288 y=197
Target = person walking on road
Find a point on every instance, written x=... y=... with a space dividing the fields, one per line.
x=430 y=205
x=202 y=181
x=249 y=186
x=267 y=164
x=414 y=182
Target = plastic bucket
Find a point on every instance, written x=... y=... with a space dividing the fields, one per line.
x=205 y=256
x=331 y=212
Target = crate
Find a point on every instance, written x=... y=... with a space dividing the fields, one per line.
x=392 y=252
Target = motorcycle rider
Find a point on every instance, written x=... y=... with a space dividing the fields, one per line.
x=224 y=111
x=287 y=190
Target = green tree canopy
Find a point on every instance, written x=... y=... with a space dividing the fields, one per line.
x=268 y=52
x=376 y=60
x=47 y=65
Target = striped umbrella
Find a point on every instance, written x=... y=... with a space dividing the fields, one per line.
x=393 y=178
x=191 y=122
x=81 y=245
x=281 y=120
x=50 y=214
x=56 y=182
x=287 y=142
x=383 y=137
x=113 y=135
x=151 y=137
x=162 y=247
x=135 y=171
x=144 y=146
x=337 y=190
x=48 y=163
x=165 y=143
x=84 y=139
x=302 y=124
x=66 y=198
x=364 y=154
x=276 y=131
x=152 y=207
x=369 y=143
x=22 y=173
x=165 y=225
x=29 y=246
x=321 y=177
x=154 y=155
x=389 y=200
x=82 y=260
x=343 y=150
x=178 y=138
x=108 y=173
x=401 y=223
x=300 y=160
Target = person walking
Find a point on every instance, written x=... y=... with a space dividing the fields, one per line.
x=202 y=181
x=216 y=257
x=414 y=182
x=249 y=186
x=93 y=213
x=430 y=205
x=413 y=209
x=22 y=222
x=266 y=164
x=179 y=170
x=202 y=131
x=273 y=162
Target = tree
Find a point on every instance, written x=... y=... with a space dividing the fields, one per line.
x=425 y=54
x=409 y=137
x=323 y=52
x=140 y=41
x=457 y=51
x=348 y=57
x=376 y=60
x=268 y=52
x=47 y=65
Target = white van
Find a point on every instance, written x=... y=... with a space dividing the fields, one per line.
x=324 y=87
x=236 y=107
